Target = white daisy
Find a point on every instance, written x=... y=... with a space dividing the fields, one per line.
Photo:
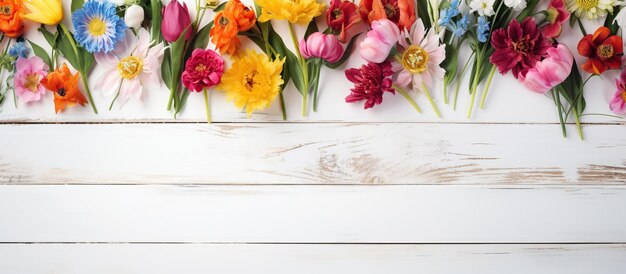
x=591 y=9
x=483 y=7
x=516 y=5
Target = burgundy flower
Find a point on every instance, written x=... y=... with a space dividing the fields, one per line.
x=341 y=16
x=518 y=47
x=370 y=82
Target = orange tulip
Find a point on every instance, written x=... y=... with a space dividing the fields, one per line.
x=65 y=88
x=224 y=34
x=11 y=22
x=401 y=12
x=242 y=14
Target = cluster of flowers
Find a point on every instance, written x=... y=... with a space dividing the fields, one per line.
x=409 y=46
x=412 y=44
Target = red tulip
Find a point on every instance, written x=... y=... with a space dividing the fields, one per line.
x=175 y=21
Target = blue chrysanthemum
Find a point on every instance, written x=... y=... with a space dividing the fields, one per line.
x=482 y=29
x=97 y=27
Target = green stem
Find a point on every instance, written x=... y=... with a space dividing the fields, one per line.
x=305 y=70
x=116 y=94
x=408 y=98
x=83 y=75
x=430 y=99
x=582 y=28
x=282 y=105
x=486 y=90
x=474 y=86
x=557 y=101
x=318 y=68
x=206 y=105
x=458 y=83
x=445 y=92
x=580 y=130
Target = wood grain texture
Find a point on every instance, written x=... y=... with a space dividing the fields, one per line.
x=313 y=214
x=396 y=153
x=314 y=259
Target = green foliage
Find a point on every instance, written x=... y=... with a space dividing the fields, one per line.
x=610 y=23
x=76 y=4
x=41 y=53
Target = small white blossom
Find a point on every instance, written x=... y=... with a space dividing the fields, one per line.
x=483 y=7
x=516 y=5
x=134 y=16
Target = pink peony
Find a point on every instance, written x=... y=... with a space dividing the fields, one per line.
x=618 y=103
x=175 y=20
x=203 y=69
x=380 y=40
x=28 y=73
x=550 y=71
x=324 y=46
x=371 y=81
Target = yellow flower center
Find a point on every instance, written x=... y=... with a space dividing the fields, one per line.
x=6 y=9
x=97 y=27
x=605 y=51
x=200 y=68
x=623 y=95
x=587 y=4
x=337 y=13
x=248 y=80
x=415 y=59
x=32 y=82
x=130 y=67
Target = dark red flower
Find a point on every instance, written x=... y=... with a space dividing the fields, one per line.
x=370 y=83
x=341 y=16
x=603 y=49
x=518 y=47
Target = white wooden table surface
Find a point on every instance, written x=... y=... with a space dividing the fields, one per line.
x=341 y=191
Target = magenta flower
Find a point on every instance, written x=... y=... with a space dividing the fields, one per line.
x=203 y=69
x=379 y=41
x=323 y=46
x=550 y=71
x=371 y=81
x=28 y=74
x=618 y=103
x=175 y=21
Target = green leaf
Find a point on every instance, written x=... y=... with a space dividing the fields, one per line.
x=312 y=28
x=50 y=37
x=529 y=10
x=76 y=4
x=155 y=25
x=422 y=12
x=450 y=64
x=610 y=23
x=65 y=47
x=200 y=40
x=41 y=53
x=166 y=74
x=220 y=7
x=292 y=62
x=346 y=54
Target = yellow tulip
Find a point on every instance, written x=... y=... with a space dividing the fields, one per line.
x=47 y=12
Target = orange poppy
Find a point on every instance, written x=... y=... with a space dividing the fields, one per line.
x=11 y=22
x=401 y=12
x=65 y=88
x=604 y=51
x=242 y=14
x=224 y=34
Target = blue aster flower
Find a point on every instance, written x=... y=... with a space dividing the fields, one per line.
x=482 y=29
x=18 y=50
x=448 y=14
x=97 y=26
x=461 y=26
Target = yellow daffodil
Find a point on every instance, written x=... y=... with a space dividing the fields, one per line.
x=295 y=11
x=253 y=81
x=47 y=12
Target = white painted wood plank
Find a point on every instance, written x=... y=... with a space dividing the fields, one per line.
x=395 y=153
x=314 y=259
x=508 y=101
x=313 y=214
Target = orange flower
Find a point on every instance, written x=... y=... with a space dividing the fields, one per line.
x=11 y=22
x=65 y=88
x=224 y=34
x=401 y=12
x=242 y=14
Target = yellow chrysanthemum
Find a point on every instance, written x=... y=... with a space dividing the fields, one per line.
x=295 y=11
x=591 y=9
x=253 y=81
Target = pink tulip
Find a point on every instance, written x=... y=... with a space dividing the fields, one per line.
x=324 y=46
x=175 y=21
x=380 y=40
x=550 y=71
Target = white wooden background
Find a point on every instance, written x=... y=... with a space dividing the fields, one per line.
x=341 y=191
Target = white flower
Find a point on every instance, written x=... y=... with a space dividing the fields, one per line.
x=131 y=65
x=134 y=16
x=124 y=2
x=516 y=5
x=592 y=9
x=421 y=58
x=483 y=7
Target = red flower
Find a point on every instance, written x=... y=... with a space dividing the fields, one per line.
x=557 y=16
x=203 y=69
x=603 y=49
x=341 y=16
x=401 y=12
x=518 y=47
x=370 y=83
